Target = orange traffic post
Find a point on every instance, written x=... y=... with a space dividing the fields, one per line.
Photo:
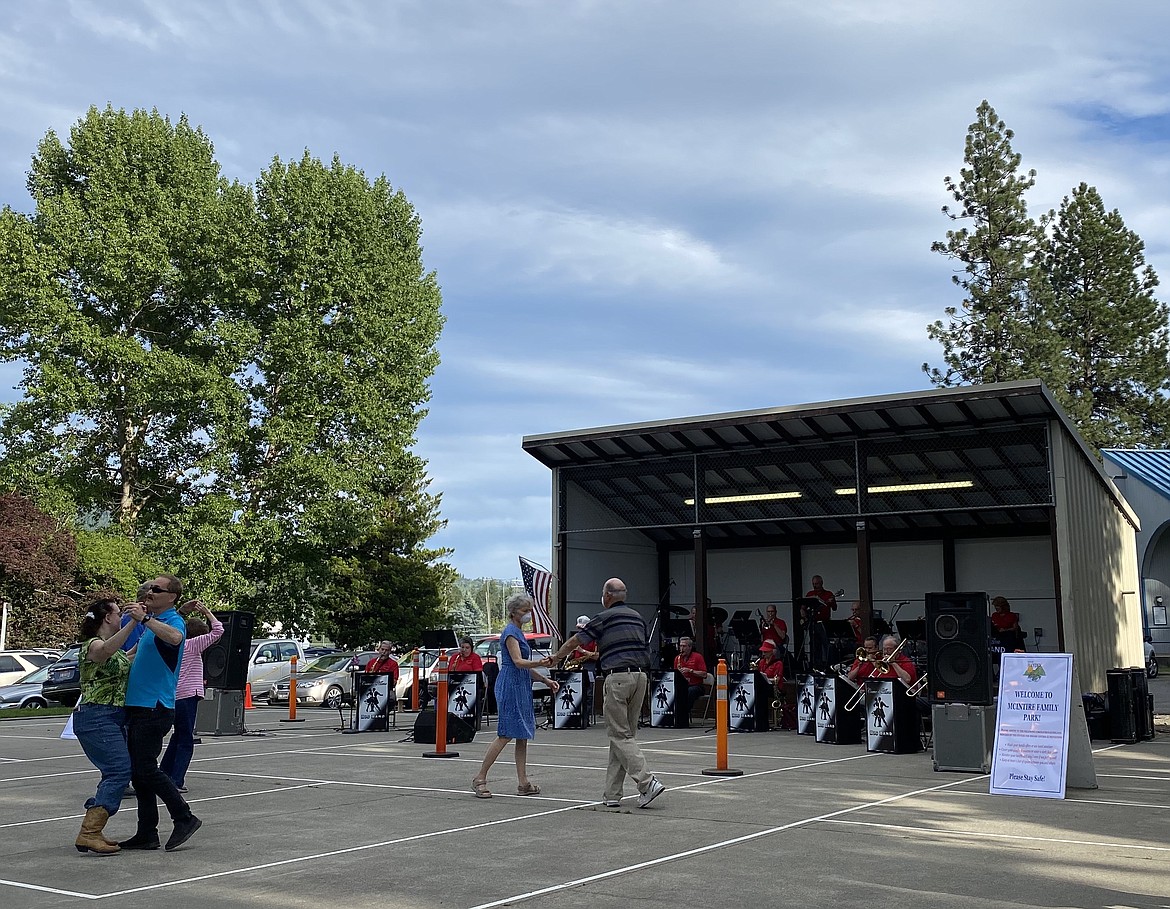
x=722 y=723
x=414 y=682
x=292 y=693
x=441 y=713
x=247 y=695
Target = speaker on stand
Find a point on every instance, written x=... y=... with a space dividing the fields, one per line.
x=225 y=663
x=957 y=654
x=960 y=685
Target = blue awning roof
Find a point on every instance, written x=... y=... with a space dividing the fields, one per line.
x=1151 y=466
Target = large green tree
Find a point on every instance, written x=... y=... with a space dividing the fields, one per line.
x=347 y=323
x=1002 y=329
x=233 y=376
x=123 y=297
x=1115 y=353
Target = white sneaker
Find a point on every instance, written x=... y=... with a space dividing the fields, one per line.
x=652 y=792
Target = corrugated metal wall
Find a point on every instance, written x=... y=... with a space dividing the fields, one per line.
x=1097 y=556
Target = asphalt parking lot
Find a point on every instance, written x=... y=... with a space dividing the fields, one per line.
x=300 y=815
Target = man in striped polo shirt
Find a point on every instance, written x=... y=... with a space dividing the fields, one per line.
x=620 y=635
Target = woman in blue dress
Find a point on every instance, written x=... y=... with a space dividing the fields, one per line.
x=517 y=718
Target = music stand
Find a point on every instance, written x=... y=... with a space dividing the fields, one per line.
x=746 y=632
x=912 y=629
x=676 y=628
x=440 y=639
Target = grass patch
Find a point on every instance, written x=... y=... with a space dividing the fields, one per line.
x=25 y=713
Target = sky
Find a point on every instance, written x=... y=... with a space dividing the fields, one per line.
x=636 y=210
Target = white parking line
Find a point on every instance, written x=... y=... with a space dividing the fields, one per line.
x=973 y=834
x=722 y=844
x=132 y=807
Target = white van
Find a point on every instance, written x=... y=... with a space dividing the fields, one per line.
x=271 y=661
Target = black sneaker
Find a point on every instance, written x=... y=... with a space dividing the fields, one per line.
x=183 y=831
x=141 y=841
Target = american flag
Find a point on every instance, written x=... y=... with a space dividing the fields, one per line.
x=537 y=582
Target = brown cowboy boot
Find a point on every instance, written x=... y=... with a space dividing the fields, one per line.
x=90 y=838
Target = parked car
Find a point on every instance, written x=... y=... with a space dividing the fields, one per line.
x=270 y=661
x=427 y=660
x=63 y=684
x=1151 y=659
x=327 y=680
x=488 y=649
x=16 y=664
x=26 y=692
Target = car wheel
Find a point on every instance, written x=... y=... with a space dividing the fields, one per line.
x=34 y=704
x=332 y=699
x=1152 y=669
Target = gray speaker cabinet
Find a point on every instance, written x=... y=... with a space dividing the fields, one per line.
x=964 y=735
x=220 y=713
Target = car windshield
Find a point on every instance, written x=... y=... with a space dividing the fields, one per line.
x=329 y=662
x=36 y=677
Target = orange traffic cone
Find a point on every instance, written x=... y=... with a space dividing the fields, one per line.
x=248 y=696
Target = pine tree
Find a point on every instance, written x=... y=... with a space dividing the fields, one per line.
x=1003 y=328
x=1113 y=331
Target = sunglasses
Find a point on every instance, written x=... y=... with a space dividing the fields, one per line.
x=154 y=588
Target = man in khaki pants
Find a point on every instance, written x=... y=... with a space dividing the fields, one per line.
x=620 y=635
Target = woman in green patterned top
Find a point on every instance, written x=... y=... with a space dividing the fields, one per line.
x=100 y=718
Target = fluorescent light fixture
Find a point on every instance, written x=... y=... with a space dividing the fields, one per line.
x=756 y=497
x=909 y=487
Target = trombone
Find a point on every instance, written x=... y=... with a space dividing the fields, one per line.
x=882 y=665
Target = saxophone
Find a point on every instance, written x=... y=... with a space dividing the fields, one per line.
x=569 y=664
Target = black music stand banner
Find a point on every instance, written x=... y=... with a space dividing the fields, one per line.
x=465 y=695
x=569 y=702
x=668 y=700
x=891 y=718
x=372 y=696
x=749 y=700
x=835 y=724
x=806 y=705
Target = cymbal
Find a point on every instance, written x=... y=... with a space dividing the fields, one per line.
x=678 y=610
x=718 y=615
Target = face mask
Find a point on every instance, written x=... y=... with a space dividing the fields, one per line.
x=526 y=618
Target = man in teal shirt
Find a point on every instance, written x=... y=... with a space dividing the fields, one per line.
x=150 y=713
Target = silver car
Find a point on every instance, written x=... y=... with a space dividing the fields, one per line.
x=326 y=681
x=26 y=692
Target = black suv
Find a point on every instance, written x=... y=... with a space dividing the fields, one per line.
x=64 y=682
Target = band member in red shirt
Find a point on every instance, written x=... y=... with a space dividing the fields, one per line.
x=855 y=620
x=1006 y=625
x=466 y=660
x=384 y=663
x=828 y=601
x=693 y=668
x=862 y=668
x=770 y=665
x=893 y=666
x=774 y=629
x=820 y=631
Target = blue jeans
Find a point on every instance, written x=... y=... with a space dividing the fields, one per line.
x=101 y=730
x=181 y=747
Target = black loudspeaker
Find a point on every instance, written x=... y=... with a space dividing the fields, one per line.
x=958 y=658
x=225 y=663
x=458 y=730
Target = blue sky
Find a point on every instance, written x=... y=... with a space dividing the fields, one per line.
x=636 y=209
